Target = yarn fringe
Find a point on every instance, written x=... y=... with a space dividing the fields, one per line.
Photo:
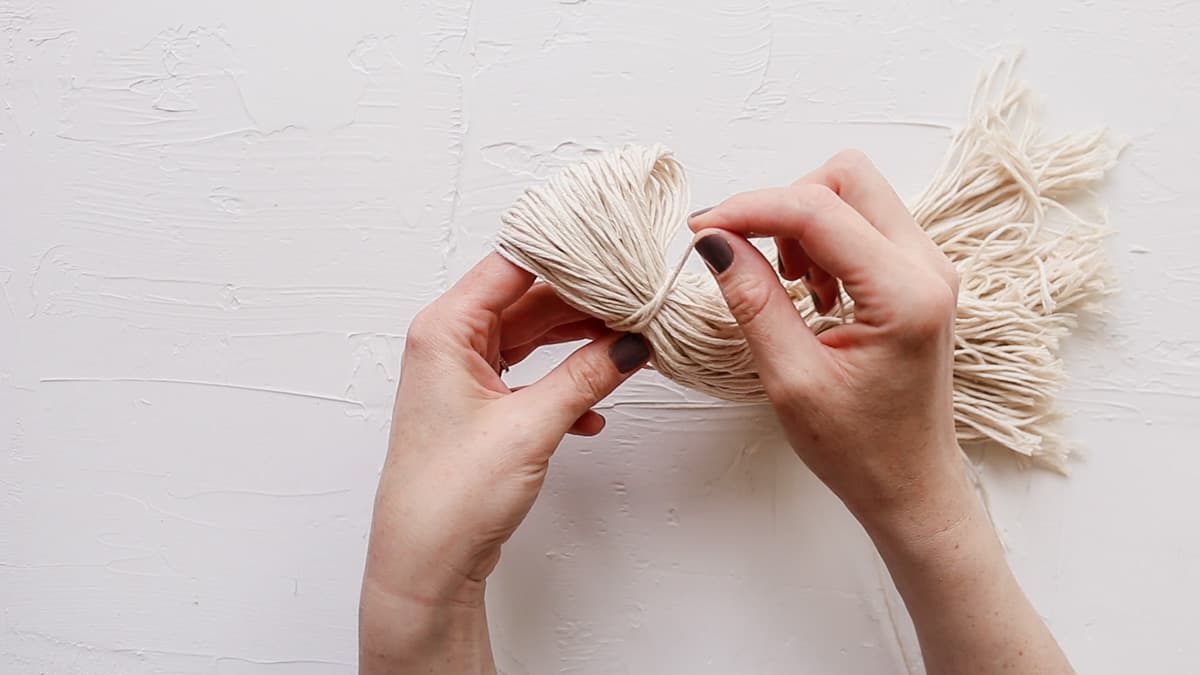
x=1030 y=265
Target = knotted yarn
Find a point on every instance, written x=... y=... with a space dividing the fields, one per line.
x=598 y=233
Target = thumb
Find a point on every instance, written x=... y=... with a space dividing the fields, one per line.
x=588 y=375
x=757 y=300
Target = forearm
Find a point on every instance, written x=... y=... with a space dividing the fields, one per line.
x=404 y=634
x=969 y=611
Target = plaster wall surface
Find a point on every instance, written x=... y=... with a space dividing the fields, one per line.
x=217 y=220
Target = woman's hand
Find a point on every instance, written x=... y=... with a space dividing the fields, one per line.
x=467 y=457
x=868 y=405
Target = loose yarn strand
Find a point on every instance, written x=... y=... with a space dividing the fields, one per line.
x=598 y=233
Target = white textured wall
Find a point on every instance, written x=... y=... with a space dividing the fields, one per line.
x=217 y=219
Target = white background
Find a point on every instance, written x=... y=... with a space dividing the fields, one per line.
x=218 y=218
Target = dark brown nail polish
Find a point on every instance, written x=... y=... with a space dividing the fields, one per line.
x=700 y=212
x=716 y=252
x=630 y=352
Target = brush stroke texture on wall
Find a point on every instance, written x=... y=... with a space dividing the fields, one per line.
x=218 y=218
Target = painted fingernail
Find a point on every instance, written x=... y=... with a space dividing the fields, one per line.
x=716 y=252
x=630 y=352
x=700 y=212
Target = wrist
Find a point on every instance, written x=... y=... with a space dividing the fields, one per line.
x=409 y=632
x=418 y=611
x=423 y=556
x=925 y=514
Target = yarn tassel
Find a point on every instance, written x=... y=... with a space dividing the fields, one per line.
x=997 y=207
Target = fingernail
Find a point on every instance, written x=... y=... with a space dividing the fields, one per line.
x=716 y=252
x=700 y=212
x=630 y=352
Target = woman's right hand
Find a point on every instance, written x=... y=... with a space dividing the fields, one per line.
x=867 y=405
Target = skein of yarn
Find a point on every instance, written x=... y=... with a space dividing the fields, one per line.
x=598 y=233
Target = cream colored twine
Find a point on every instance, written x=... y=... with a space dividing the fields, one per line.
x=598 y=233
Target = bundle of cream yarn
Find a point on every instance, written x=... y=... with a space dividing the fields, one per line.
x=598 y=233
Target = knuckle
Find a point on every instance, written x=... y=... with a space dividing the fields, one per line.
x=931 y=311
x=849 y=164
x=953 y=278
x=815 y=198
x=747 y=297
x=791 y=385
x=589 y=379
x=944 y=266
x=781 y=391
x=421 y=330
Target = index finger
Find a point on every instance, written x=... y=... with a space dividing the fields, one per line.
x=834 y=235
x=492 y=284
x=537 y=311
x=855 y=179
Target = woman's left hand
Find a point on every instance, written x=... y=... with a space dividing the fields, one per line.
x=468 y=455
